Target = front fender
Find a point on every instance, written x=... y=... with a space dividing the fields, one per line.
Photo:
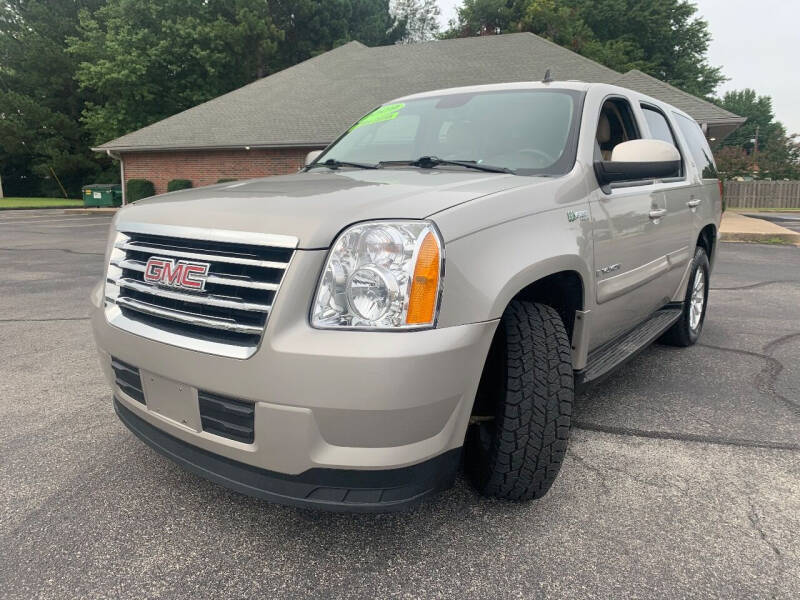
x=487 y=268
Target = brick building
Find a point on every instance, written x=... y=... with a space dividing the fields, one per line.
x=268 y=126
x=207 y=166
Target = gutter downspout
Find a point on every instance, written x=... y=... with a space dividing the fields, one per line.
x=117 y=156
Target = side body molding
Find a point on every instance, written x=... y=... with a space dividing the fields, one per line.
x=613 y=287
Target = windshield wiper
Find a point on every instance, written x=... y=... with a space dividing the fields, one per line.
x=428 y=162
x=332 y=163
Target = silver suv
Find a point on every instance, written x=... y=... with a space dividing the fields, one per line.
x=427 y=292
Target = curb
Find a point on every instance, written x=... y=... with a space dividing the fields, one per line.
x=90 y=211
x=788 y=239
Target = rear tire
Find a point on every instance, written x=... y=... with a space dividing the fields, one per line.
x=686 y=330
x=515 y=448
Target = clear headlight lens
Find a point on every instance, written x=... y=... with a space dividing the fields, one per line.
x=381 y=275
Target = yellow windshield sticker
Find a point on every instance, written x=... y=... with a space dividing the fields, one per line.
x=379 y=115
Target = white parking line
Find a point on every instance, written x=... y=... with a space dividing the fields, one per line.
x=15 y=222
x=77 y=226
x=29 y=214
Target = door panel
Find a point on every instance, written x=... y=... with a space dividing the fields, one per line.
x=677 y=223
x=631 y=253
x=634 y=244
x=678 y=226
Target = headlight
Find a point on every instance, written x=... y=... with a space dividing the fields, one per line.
x=381 y=275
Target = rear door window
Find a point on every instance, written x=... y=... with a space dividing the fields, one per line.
x=660 y=128
x=698 y=146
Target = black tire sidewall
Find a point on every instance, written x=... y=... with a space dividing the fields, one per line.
x=551 y=398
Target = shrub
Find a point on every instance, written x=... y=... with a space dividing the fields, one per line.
x=138 y=189
x=226 y=180
x=179 y=184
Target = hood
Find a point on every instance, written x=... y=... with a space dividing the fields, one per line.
x=315 y=206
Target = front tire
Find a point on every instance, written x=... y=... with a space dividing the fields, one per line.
x=686 y=330
x=520 y=428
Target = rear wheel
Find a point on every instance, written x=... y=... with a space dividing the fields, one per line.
x=686 y=330
x=520 y=426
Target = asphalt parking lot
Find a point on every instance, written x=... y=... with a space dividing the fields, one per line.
x=682 y=477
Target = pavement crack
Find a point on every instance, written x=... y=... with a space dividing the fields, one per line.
x=755 y=521
x=778 y=341
x=662 y=484
x=590 y=467
x=765 y=378
x=67 y=250
x=684 y=437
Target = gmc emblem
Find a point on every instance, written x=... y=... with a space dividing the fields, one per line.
x=179 y=274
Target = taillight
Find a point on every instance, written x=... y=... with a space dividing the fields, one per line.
x=721 y=188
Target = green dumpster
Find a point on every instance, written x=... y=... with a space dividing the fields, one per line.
x=102 y=194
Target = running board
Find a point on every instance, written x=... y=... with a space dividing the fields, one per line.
x=603 y=360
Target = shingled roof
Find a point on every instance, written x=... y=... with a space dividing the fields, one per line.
x=703 y=111
x=310 y=103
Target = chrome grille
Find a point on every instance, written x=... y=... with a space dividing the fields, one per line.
x=227 y=317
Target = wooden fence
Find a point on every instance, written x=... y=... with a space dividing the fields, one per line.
x=762 y=194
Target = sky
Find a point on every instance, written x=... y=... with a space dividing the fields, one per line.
x=757 y=44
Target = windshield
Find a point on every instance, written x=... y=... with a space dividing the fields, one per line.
x=526 y=131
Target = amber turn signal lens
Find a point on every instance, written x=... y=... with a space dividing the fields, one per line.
x=425 y=285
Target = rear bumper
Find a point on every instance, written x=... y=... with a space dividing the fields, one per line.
x=344 y=490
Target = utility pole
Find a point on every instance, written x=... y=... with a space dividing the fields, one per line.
x=755 y=141
x=1 y=186
x=755 y=148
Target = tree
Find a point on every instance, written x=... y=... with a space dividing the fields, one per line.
x=780 y=158
x=144 y=60
x=665 y=39
x=373 y=24
x=732 y=162
x=760 y=116
x=76 y=73
x=420 y=19
x=312 y=27
x=777 y=155
x=486 y=17
x=40 y=103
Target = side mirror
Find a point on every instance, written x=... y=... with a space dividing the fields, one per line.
x=311 y=157
x=639 y=159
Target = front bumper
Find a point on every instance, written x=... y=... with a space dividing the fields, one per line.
x=328 y=489
x=324 y=400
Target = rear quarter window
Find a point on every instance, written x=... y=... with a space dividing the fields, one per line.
x=698 y=146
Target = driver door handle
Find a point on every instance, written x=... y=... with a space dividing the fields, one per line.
x=694 y=202
x=657 y=213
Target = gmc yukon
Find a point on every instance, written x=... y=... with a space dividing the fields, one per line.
x=427 y=292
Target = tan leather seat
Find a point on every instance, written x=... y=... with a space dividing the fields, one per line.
x=604 y=135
